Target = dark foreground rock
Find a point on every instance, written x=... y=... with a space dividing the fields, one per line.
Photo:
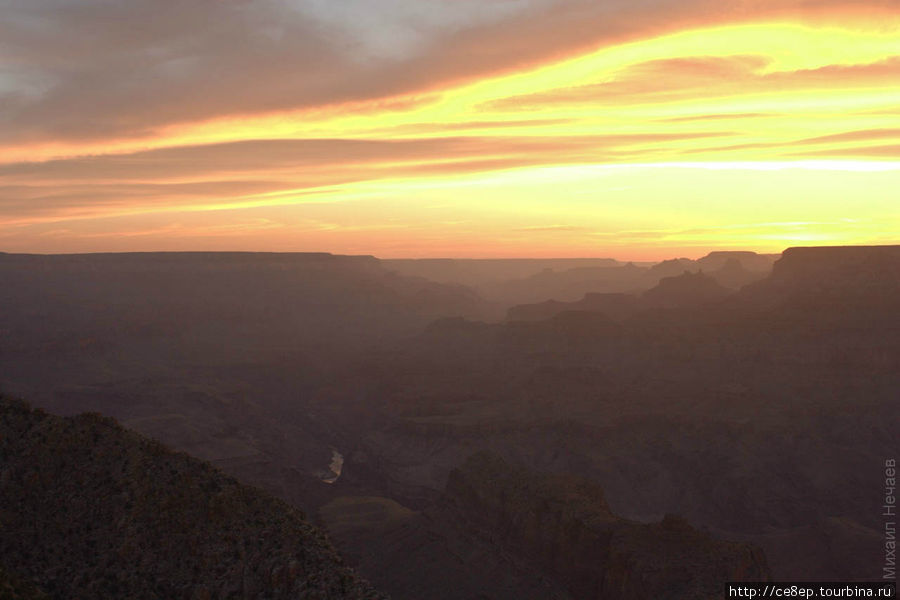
x=90 y=510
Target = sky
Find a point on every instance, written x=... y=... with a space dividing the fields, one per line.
x=634 y=129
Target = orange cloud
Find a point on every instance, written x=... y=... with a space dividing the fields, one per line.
x=268 y=114
x=888 y=151
x=854 y=136
x=668 y=80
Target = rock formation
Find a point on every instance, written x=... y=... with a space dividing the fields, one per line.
x=564 y=525
x=91 y=510
x=688 y=289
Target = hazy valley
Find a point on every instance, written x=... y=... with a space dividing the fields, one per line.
x=732 y=411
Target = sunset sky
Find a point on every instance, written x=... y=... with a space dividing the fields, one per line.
x=636 y=129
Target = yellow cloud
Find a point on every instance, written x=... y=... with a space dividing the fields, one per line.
x=714 y=136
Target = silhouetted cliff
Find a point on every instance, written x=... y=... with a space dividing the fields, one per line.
x=751 y=261
x=564 y=524
x=688 y=289
x=860 y=282
x=732 y=274
x=832 y=262
x=91 y=510
x=615 y=306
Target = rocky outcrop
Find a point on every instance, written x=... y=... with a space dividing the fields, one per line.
x=564 y=525
x=714 y=261
x=429 y=554
x=750 y=261
x=91 y=510
x=688 y=289
x=859 y=282
x=732 y=274
x=838 y=264
x=670 y=268
x=571 y=284
x=489 y=272
x=614 y=306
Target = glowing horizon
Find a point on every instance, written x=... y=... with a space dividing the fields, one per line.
x=756 y=134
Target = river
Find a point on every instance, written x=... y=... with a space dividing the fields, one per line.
x=334 y=467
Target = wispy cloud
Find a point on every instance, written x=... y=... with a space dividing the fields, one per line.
x=552 y=228
x=151 y=113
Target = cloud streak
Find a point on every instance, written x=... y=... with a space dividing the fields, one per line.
x=95 y=69
x=113 y=110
